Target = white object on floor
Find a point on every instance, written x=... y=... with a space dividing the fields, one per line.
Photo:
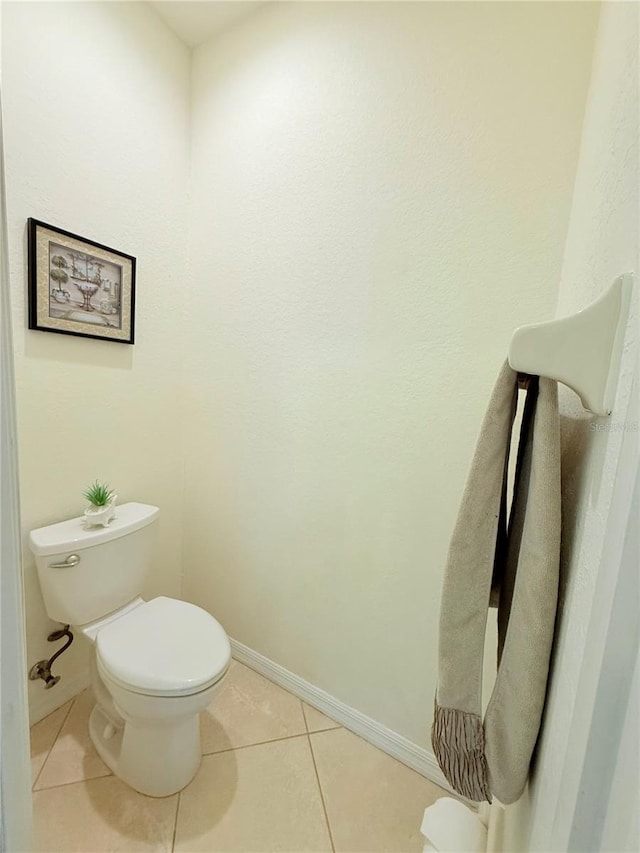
x=450 y=827
x=582 y=351
x=157 y=664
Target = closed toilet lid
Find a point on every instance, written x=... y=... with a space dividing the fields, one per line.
x=164 y=648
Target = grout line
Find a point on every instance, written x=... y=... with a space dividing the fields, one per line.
x=259 y=743
x=108 y=775
x=55 y=740
x=330 y=729
x=175 y=822
x=325 y=729
x=324 y=805
x=304 y=715
x=315 y=731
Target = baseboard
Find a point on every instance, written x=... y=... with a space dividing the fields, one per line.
x=49 y=700
x=416 y=757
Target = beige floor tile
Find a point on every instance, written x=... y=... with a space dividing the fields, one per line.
x=249 y=709
x=374 y=802
x=316 y=720
x=101 y=815
x=73 y=757
x=259 y=799
x=43 y=735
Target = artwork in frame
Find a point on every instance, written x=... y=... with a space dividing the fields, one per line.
x=79 y=287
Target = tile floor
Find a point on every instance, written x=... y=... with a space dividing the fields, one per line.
x=276 y=775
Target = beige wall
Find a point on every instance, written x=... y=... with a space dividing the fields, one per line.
x=602 y=243
x=380 y=193
x=95 y=102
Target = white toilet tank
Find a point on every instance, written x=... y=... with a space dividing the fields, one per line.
x=86 y=573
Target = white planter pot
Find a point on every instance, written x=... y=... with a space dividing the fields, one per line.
x=100 y=516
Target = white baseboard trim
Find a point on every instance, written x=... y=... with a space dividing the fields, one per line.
x=416 y=757
x=49 y=700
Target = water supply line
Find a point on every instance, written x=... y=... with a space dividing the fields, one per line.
x=42 y=669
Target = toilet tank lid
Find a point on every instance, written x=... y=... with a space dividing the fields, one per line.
x=72 y=535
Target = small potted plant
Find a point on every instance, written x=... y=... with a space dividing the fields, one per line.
x=102 y=504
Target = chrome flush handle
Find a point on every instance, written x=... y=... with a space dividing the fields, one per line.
x=72 y=560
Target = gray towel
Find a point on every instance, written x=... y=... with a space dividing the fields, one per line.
x=515 y=568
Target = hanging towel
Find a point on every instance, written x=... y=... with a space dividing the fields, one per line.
x=513 y=565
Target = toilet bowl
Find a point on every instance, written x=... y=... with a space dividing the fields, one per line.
x=156 y=664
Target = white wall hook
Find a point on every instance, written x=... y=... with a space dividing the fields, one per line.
x=582 y=351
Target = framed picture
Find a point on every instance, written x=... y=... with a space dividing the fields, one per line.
x=79 y=287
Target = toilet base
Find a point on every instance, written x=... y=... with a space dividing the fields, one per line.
x=155 y=758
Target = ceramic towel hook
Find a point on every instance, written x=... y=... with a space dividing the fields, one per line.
x=582 y=351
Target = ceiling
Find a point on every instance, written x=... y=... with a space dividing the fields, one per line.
x=196 y=22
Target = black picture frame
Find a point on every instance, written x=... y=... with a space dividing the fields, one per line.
x=78 y=286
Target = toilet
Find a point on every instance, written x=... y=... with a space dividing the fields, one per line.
x=157 y=663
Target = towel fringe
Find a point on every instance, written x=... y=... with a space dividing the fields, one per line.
x=458 y=743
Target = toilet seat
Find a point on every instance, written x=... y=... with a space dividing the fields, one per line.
x=164 y=647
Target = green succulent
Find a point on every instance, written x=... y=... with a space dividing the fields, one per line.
x=99 y=494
